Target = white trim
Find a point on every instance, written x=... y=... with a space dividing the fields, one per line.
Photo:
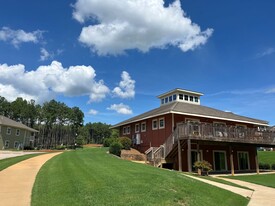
x=192 y=120
x=161 y=127
x=124 y=130
x=17 y=130
x=141 y=129
x=137 y=128
x=128 y=130
x=246 y=152
x=8 y=129
x=155 y=128
x=7 y=141
x=225 y=159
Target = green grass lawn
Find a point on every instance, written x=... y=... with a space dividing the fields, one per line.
x=93 y=177
x=266 y=179
x=4 y=163
x=266 y=157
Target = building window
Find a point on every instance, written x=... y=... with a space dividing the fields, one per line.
x=7 y=144
x=196 y=99
x=161 y=123
x=191 y=98
x=166 y=99
x=186 y=97
x=9 y=131
x=181 y=96
x=220 y=160
x=243 y=160
x=155 y=124
x=128 y=129
x=162 y=101
x=143 y=126
x=124 y=130
x=174 y=97
x=17 y=132
x=16 y=144
x=137 y=128
x=170 y=98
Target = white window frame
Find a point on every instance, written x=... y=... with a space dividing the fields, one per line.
x=137 y=128
x=128 y=129
x=124 y=130
x=8 y=131
x=143 y=130
x=16 y=142
x=238 y=152
x=225 y=156
x=17 y=132
x=8 y=145
x=154 y=120
x=162 y=127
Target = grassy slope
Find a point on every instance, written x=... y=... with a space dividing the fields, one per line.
x=266 y=180
x=266 y=157
x=4 y=163
x=92 y=177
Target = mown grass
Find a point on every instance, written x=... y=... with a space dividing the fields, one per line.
x=220 y=181
x=265 y=179
x=266 y=157
x=5 y=163
x=93 y=177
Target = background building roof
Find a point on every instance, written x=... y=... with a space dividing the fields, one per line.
x=11 y=123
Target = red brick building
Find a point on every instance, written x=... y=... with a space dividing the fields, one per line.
x=182 y=131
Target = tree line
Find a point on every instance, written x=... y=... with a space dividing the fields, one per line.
x=57 y=123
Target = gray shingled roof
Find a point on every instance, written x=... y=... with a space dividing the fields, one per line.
x=192 y=110
x=11 y=123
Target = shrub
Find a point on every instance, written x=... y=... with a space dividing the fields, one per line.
x=203 y=166
x=108 y=141
x=126 y=142
x=115 y=148
x=273 y=166
x=264 y=166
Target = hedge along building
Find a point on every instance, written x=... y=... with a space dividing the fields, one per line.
x=182 y=131
x=15 y=135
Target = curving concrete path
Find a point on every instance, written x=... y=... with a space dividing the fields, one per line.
x=16 y=181
x=260 y=196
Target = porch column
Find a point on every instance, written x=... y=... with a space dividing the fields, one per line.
x=189 y=162
x=179 y=156
x=257 y=161
x=198 y=153
x=231 y=161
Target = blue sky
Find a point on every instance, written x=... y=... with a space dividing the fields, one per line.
x=112 y=58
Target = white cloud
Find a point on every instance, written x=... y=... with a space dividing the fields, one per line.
x=93 y=112
x=126 y=87
x=267 y=52
x=47 y=81
x=44 y=54
x=121 y=108
x=16 y=37
x=130 y=24
x=270 y=91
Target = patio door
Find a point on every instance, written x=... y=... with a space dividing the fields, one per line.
x=194 y=158
x=220 y=161
x=243 y=160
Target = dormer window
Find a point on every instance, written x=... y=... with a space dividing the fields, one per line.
x=180 y=95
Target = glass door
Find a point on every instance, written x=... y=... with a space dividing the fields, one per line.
x=220 y=161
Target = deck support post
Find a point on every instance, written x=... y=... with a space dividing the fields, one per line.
x=189 y=162
x=231 y=161
x=179 y=156
x=257 y=161
x=198 y=153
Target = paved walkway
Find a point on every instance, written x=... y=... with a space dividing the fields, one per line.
x=260 y=196
x=16 y=181
x=7 y=154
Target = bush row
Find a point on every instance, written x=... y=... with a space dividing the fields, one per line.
x=117 y=144
x=266 y=166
